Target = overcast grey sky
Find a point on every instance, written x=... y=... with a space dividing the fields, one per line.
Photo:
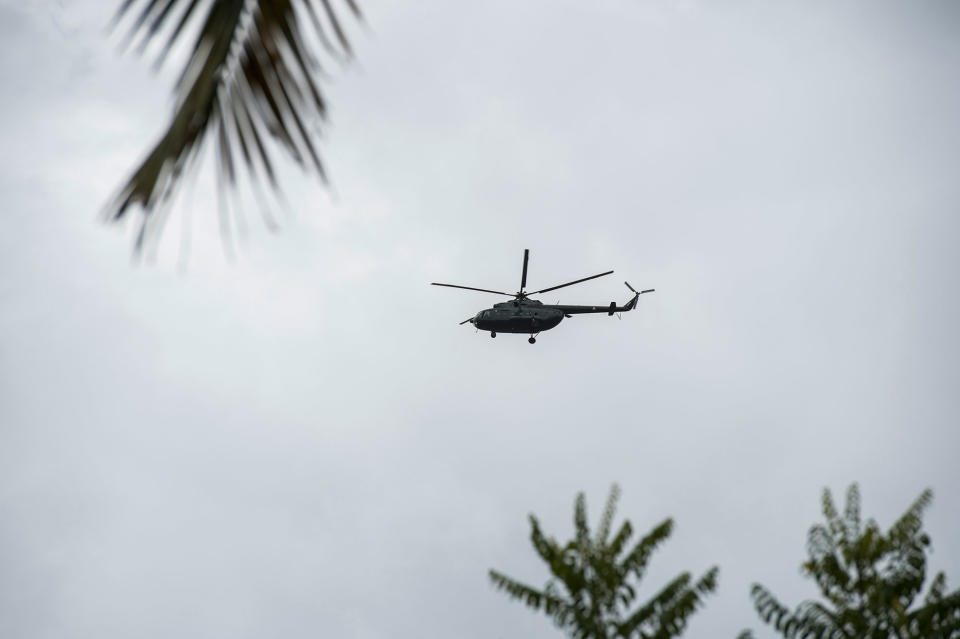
x=304 y=443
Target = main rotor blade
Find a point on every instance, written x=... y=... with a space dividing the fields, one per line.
x=523 y=278
x=470 y=288
x=553 y=288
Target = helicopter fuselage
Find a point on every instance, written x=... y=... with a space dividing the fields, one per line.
x=523 y=316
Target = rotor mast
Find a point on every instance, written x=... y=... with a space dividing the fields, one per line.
x=523 y=278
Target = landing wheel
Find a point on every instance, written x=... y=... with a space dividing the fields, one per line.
x=493 y=334
x=532 y=340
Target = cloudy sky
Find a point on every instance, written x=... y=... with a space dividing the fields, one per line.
x=301 y=442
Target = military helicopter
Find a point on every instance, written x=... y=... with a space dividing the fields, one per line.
x=524 y=315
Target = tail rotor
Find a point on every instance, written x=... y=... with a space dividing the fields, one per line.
x=649 y=290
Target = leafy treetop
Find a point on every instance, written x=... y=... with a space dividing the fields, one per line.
x=869 y=580
x=594 y=581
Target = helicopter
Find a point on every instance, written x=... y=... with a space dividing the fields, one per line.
x=524 y=315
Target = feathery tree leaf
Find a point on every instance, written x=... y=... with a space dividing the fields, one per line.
x=869 y=579
x=603 y=532
x=250 y=77
x=593 y=583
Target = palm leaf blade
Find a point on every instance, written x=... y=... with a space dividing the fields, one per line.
x=250 y=70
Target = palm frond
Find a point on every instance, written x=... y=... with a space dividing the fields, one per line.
x=532 y=597
x=547 y=549
x=636 y=561
x=580 y=523
x=769 y=609
x=620 y=540
x=666 y=614
x=250 y=77
x=820 y=542
x=834 y=523
x=606 y=520
x=910 y=522
x=852 y=514
x=649 y=612
x=815 y=619
x=675 y=612
x=808 y=623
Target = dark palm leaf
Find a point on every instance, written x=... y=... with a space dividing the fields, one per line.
x=636 y=561
x=603 y=531
x=529 y=595
x=251 y=77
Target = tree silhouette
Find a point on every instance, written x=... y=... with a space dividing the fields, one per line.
x=595 y=582
x=869 y=581
x=250 y=77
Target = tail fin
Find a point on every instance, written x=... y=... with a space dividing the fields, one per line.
x=632 y=304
